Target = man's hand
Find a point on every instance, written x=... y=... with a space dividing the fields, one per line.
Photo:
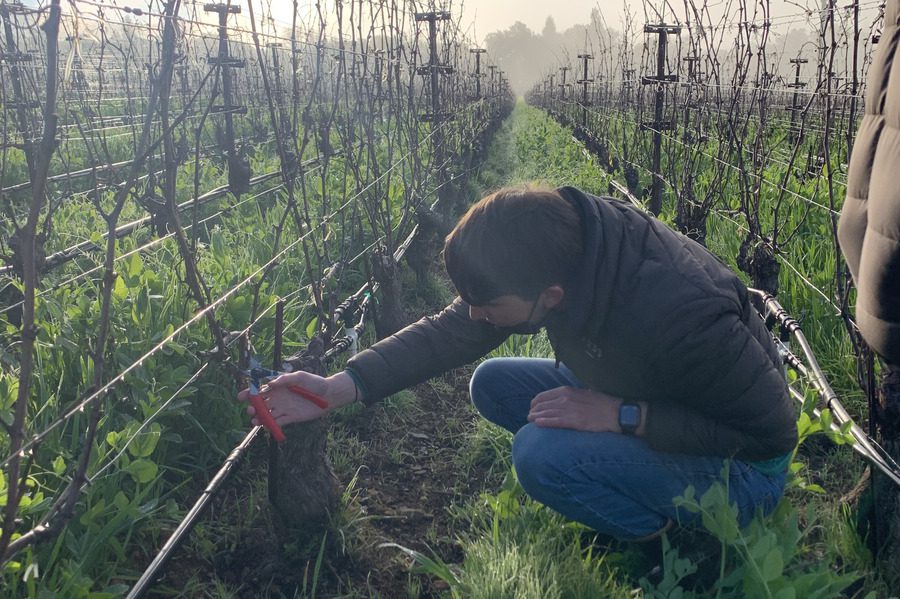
x=580 y=410
x=288 y=407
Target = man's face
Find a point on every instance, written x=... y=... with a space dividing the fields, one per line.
x=504 y=311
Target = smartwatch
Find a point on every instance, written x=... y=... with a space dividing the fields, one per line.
x=629 y=417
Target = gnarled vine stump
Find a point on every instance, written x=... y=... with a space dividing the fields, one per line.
x=303 y=489
x=389 y=314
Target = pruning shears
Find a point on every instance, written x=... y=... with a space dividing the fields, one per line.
x=257 y=374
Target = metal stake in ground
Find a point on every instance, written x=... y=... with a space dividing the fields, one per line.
x=658 y=125
x=585 y=83
x=795 y=106
x=437 y=116
x=478 y=52
x=238 y=167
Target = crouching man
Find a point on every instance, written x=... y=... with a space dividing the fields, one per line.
x=663 y=372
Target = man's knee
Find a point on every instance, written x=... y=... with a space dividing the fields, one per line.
x=483 y=381
x=552 y=459
x=533 y=458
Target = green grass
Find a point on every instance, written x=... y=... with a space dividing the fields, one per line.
x=529 y=147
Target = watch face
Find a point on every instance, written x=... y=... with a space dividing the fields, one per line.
x=629 y=417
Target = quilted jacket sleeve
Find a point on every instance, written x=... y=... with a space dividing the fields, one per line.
x=869 y=231
x=422 y=350
x=725 y=394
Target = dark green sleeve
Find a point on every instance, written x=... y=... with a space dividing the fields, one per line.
x=422 y=350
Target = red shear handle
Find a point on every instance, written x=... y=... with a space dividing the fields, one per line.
x=309 y=395
x=265 y=417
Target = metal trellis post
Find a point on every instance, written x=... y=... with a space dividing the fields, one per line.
x=585 y=82
x=658 y=125
x=795 y=106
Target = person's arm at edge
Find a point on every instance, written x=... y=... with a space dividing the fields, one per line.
x=422 y=350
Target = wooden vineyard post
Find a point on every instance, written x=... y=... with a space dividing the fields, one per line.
x=658 y=125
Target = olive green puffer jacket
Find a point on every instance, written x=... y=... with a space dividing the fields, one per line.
x=869 y=230
x=654 y=317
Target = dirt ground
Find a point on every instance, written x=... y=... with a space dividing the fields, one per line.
x=405 y=481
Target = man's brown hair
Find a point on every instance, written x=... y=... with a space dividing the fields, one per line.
x=516 y=241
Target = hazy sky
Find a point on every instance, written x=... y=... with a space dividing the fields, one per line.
x=482 y=17
x=486 y=16
x=493 y=15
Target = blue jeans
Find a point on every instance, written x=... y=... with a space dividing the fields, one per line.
x=611 y=482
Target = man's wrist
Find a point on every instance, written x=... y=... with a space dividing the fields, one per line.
x=342 y=389
x=632 y=417
x=642 y=427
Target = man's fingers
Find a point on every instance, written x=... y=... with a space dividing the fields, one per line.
x=543 y=396
x=273 y=410
x=545 y=411
x=290 y=378
x=553 y=422
x=553 y=396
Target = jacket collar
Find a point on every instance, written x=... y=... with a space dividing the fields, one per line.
x=589 y=303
